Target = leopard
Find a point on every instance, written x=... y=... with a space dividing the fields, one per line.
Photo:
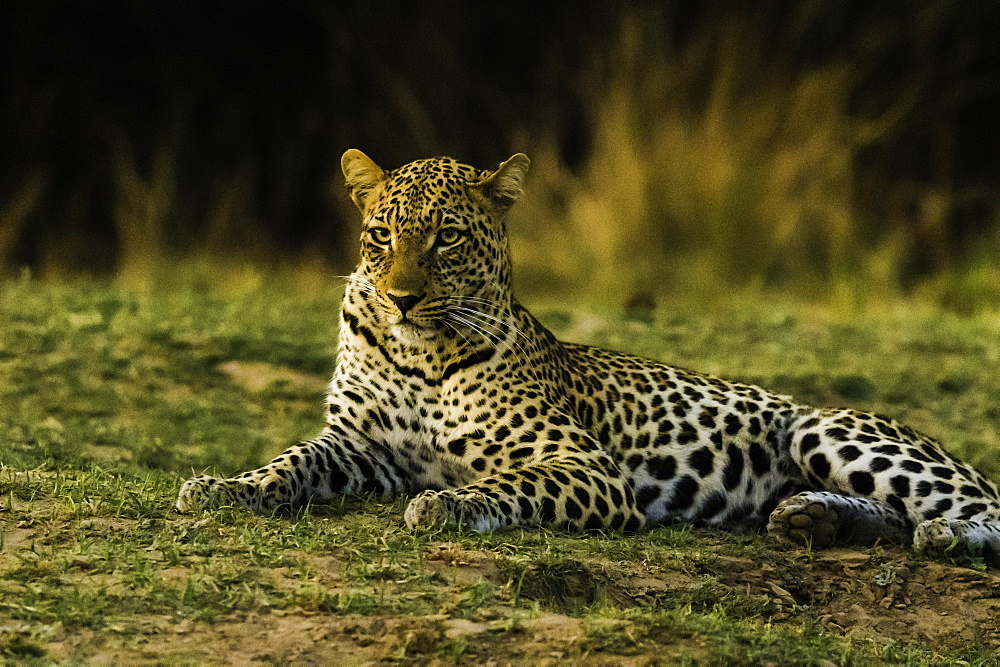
x=448 y=391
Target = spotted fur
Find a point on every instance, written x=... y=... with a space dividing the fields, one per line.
x=446 y=387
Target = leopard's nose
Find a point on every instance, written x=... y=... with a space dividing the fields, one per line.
x=405 y=301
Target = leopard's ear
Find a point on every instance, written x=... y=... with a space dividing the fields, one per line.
x=364 y=178
x=504 y=186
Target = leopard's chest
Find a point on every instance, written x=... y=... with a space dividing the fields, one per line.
x=433 y=428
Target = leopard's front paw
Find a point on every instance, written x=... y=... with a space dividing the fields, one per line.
x=935 y=536
x=804 y=520
x=202 y=493
x=258 y=492
x=433 y=508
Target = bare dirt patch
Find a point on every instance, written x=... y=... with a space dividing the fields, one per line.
x=257 y=376
x=886 y=598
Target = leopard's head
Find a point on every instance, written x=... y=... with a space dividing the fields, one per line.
x=434 y=250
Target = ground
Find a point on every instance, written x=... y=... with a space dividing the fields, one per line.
x=112 y=398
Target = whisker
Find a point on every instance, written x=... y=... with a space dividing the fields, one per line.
x=491 y=336
x=474 y=319
x=475 y=326
x=473 y=299
x=507 y=324
x=457 y=331
x=481 y=314
x=466 y=324
x=499 y=306
x=366 y=286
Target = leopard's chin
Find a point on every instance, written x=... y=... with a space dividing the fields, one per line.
x=409 y=333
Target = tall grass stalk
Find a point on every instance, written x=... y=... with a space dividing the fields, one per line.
x=715 y=164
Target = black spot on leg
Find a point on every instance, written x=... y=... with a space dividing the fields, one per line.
x=687 y=435
x=338 y=479
x=849 y=453
x=601 y=505
x=900 y=486
x=810 y=441
x=733 y=424
x=837 y=433
x=634 y=461
x=820 y=465
x=683 y=493
x=862 y=482
x=644 y=496
x=896 y=504
x=760 y=461
x=944 y=487
x=702 y=460
x=879 y=464
x=573 y=510
x=527 y=509
x=547 y=511
x=560 y=477
x=733 y=472
x=939 y=509
x=971 y=510
x=713 y=505
x=631 y=525
x=661 y=467
x=738 y=515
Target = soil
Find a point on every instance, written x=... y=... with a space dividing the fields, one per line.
x=882 y=596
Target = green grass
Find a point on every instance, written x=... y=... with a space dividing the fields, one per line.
x=110 y=399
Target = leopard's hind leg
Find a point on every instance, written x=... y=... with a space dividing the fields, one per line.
x=823 y=519
x=880 y=480
x=941 y=535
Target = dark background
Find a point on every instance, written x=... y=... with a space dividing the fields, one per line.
x=219 y=125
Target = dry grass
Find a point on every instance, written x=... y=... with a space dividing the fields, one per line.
x=716 y=164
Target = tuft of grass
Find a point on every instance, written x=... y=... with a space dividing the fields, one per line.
x=556 y=582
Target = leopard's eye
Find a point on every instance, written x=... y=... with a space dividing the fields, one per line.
x=380 y=235
x=450 y=236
